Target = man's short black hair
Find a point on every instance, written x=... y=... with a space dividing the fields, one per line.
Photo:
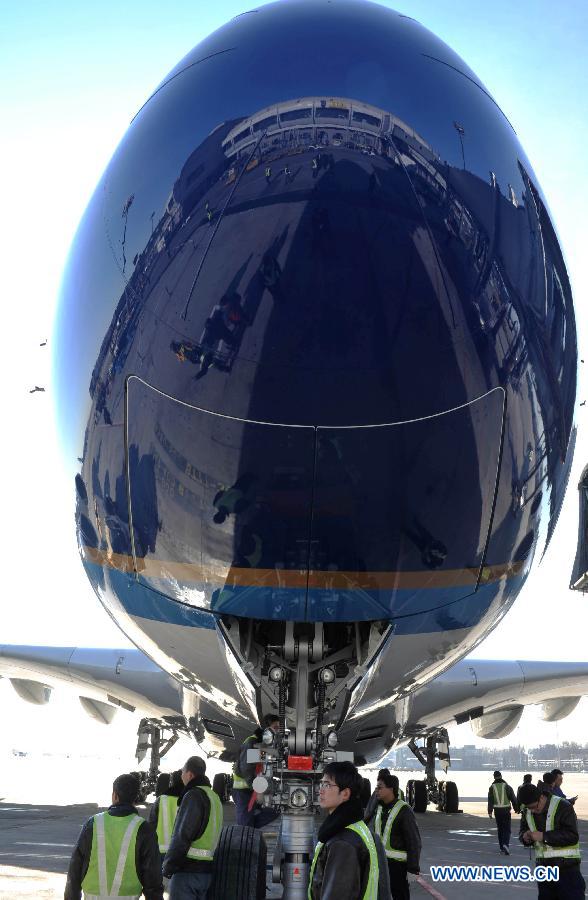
x=126 y=788
x=497 y=774
x=529 y=793
x=391 y=781
x=548 y=778
x=162 y=785
x=196 y=765
x=556 y=772
x=527 y=779
x=345 y=775
x=269 y=719
x=175 y=783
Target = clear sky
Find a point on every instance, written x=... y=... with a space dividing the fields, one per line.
x=72 y=75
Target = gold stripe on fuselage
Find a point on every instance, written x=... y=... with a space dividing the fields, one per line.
x=234 y=576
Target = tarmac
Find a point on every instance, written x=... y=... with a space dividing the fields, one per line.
x=36 y=842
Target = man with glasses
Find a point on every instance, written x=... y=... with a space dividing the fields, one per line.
x=348 y=861
x=550 y=826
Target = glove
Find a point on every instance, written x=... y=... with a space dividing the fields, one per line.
x=413 y=876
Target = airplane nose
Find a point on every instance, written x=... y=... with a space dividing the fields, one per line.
x=310 y=523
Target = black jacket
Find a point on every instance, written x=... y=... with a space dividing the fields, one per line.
x=147 y=857
x=564 y=833
x=244 y=769
x=342 y=868
x=405 y=834
x=190 y=824
x=509 y=794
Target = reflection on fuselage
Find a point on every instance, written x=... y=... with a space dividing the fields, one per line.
x=337 y=353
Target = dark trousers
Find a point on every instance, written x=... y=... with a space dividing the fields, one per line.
x=502 y=817
x=399 y=888
x=189 y=886
x=257 y=816
x=570 y=886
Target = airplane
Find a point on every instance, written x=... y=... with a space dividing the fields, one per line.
x=320 y=424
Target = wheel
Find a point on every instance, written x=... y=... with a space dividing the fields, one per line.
x=420 y=798
x=451 y=797
x=221 y=785
x=410 y=792
x=239 y=868
x=366 y=792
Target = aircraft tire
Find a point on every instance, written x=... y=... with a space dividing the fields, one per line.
x=410 y=792
x=239 y=868
x=420 y=799
x=221 y=785
x=451 y=797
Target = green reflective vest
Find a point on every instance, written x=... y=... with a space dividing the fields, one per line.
x=391 y=852
x=166 y=816
x=239 y=783
x=501 y=800
x=111 y=870
x=206 y=844
x=371 y=890
x=545 y=851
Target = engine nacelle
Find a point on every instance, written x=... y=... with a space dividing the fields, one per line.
x=498 y=724
x=558 y=708
x=32 y=691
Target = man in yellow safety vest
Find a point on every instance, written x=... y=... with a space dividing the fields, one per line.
x=348 y=860
x=394 y=822
x=500 y=799
x=549 y=825
x=164 y=810
x=248 y=811
x=199 y=822
x=116 y=854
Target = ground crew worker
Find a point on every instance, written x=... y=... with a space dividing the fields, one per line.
x=549 y=825
x=162 y=814
x=209 y=212
x=500 y=798
x=527 y=779
x=394 y=822
x=557 y=780
x=348 y=860
x=373 y=801
x=268 y=174
x=288 y=174
x=244 y=797
x=188 y=861
x=116 y=854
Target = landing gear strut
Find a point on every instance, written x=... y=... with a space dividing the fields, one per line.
x=152 y=735
x=443 y=794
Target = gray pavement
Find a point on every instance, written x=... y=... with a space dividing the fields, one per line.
x=36 y=842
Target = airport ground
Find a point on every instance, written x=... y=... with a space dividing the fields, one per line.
x=45 y=801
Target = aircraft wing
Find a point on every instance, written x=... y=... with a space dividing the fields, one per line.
x=104 y=679
x=492 y=694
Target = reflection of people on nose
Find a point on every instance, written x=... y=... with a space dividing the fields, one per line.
x=233 y=312
x=271 y=273
x=233 y=499
x=433 y=552
x=215 y=330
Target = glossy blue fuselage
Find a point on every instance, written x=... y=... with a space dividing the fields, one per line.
x=316 y=350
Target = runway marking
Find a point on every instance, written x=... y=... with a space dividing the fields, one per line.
x=21 y=809
x=35 y=855
x=429 y=889
x=39 y=844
